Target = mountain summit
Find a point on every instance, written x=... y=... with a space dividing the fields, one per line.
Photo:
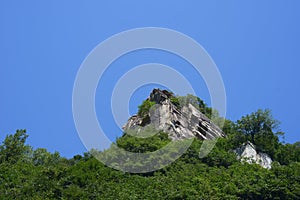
x=163 y=111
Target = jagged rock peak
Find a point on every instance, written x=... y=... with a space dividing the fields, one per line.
x=184 y=121
x=159 y=96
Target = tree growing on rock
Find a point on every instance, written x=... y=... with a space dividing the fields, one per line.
x=262 y=129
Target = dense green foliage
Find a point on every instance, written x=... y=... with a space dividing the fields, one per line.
x=38 y=174
x=26 y=173
x=141 y=145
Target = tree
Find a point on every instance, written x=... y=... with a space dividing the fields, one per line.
x=288 y=153
x=14 y=148
x=262 y=129
x=145 y=107
x=42 y=157
x=196 y=102
x=257 y=122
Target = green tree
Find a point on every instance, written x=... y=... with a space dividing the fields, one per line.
x=42 y=157
x=14 y=149
x=143 y=145
x=288 y=153
x=196 y=102
x=145 y=107
x=262 y=129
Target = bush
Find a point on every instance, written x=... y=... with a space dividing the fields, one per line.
x=145 y=107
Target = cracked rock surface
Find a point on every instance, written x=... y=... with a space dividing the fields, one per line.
x=179 y=122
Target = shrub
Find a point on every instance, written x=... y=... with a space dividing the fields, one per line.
x=145 y=107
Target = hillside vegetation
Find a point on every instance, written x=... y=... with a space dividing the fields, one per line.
x=27 y=173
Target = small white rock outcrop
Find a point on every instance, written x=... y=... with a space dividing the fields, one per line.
x=247 y=153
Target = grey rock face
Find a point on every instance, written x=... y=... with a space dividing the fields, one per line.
x=179 y=123
x=248 y=153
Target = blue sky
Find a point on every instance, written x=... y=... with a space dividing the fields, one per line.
x=255 y=45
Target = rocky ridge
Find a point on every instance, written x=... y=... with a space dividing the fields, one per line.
x=184 y=121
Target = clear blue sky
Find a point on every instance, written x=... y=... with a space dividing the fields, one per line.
x=255 y=44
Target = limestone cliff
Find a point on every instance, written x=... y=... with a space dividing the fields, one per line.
x=184 y=121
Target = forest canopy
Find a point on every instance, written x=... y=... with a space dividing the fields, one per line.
x=28 y=173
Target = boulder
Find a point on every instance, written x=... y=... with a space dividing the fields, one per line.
x=247 y=153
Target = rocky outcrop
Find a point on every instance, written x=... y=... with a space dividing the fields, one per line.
x=184 y=121
x=247 y=153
